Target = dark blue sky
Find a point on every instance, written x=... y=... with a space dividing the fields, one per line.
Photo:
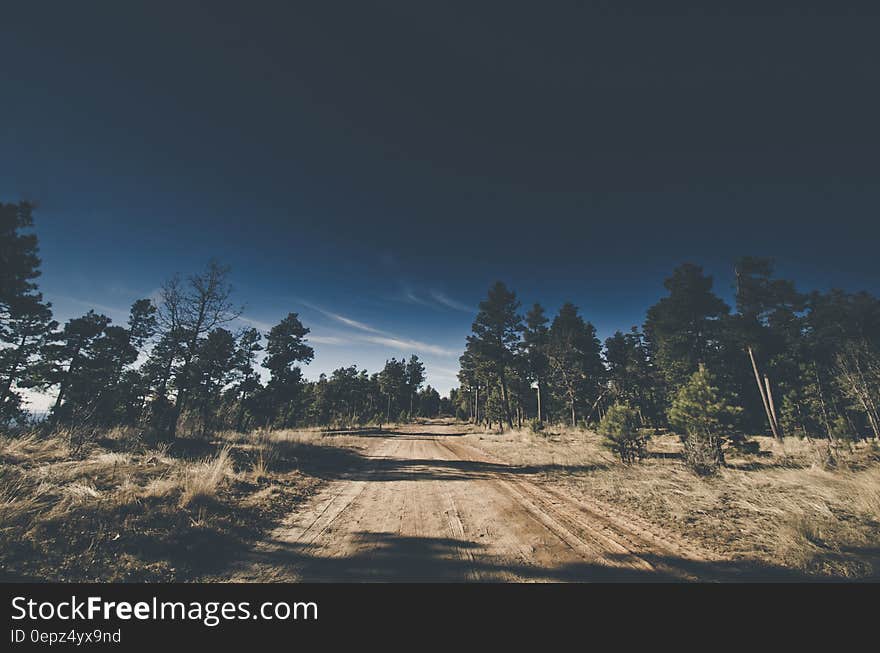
x=375 y=167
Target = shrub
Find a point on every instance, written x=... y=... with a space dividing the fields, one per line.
x=620 y=426
x=702 y=416
x=536 y=425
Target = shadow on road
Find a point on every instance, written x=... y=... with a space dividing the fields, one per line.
x=386 y=557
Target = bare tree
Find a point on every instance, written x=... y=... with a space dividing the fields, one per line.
x=189 y=310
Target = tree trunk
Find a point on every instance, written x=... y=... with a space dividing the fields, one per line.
x=539 y=402
x=7 y=387
x=505 y=401
x=772 y=405
x=822 y=401
x=870 y=405
x=763 y=396
x=62 y=386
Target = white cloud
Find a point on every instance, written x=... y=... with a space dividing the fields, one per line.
x=352 y=323
x=377 y=336
x=415 y=345
x=328 y=340
x=440 y=298
x=432 y=298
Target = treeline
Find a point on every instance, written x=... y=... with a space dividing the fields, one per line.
x=781 y=362
x=177 y=364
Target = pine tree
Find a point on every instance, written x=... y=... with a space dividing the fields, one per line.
x=683 y=329
x=535 y=341
x=620 y=426
x=574 y=353
x=26 y=323
x=495 y=338
x=19 y=263
x=392 y=381
x=286 y=349
x=28 y=329
x=702 y=417
x=415 y=377
x=631 y=375
x=71 y=361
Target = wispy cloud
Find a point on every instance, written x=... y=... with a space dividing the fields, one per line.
x=440 y=298
x=354 y=324
x=372 y=335
x=413 y=298
x=405 y=343
x=432 y=298
x=329 y=340
x=342 y=319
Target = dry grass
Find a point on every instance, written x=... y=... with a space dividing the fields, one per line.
x=783 y=507
x=201 y=481
x=116 y=509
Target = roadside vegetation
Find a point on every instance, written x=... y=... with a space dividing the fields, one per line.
x=120 y=510
x=179 y=437
x=780 y=506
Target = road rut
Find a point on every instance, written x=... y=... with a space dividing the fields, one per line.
x=425 y=506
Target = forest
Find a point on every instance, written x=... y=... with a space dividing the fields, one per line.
x=179 y=440
x=179 y=364
x=780 y=362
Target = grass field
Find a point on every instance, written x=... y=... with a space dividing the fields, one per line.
x=120 y=511
x=784 y=506
x=117 y=510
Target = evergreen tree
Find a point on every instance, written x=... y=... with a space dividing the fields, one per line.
x=242 y=397
x=703 y=418
x=536 y=339
x=28 y=329
x=286 y=349
x=415 y=377
x=429 y=402
x=631 y=375
x=392 y=381
x=620 y=426
x=188 y=311
x=212 y=370
x=26 y=323
x=72 y=360
x=683 y=329
x=19 y=263
x=495 y=338
x=575 y=359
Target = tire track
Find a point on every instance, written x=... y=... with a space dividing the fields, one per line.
x=576 y=522
x=426 y=507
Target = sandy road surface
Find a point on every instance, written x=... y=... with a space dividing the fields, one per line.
x=424 y=506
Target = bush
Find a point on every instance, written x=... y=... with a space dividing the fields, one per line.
x=536 y=426
x=620 y=426
x=701 y=416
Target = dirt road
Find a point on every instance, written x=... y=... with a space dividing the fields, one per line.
x=425 y=506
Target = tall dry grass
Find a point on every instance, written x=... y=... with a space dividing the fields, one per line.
x=783 y=507
x=201 y=481
x=88 y=511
